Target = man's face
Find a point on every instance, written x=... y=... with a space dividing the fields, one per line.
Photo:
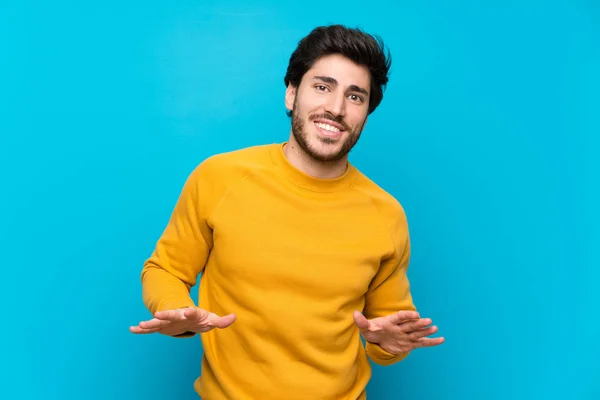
x=330 y=107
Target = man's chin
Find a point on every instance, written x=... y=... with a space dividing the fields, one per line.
x=327 y=153
x=321 y=148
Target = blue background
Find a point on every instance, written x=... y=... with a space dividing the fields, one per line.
x=488 y=135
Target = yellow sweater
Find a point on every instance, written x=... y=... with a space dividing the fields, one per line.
x=292 y=256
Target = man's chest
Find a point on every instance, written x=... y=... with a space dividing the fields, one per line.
x=281 y=241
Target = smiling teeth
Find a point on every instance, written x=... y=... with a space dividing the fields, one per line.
x=327 y=127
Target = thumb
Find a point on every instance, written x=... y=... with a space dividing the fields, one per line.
x=195 y=314
x=361 y=322
x=224 y=322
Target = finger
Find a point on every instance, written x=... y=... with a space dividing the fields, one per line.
x=170 y=315
x=401 y=316
x=418 y=334
x=414 y=325
x=429 y=342
x=223 y=322
x=154 y=323
x=361 y=322
x=141 y=331
x=195 y=314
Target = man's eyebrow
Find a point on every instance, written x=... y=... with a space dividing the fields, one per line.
x=358 y=89
x=333 y=81
x=326 y=79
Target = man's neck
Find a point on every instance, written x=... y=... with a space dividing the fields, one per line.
x=317 y=169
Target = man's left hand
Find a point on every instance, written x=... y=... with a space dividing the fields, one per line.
x=398 y=333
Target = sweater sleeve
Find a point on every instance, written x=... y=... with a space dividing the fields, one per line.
x=182 y=250
x=389 y=291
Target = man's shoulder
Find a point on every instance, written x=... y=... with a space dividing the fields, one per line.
x=386 y=203
x=218 y=173
x=246 y=156
x=235 y=163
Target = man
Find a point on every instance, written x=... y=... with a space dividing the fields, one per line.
x=299 y=253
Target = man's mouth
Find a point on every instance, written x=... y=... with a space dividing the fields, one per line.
x=329 y=129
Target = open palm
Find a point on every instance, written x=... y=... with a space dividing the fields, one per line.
x=398 y=333
x=180 y=321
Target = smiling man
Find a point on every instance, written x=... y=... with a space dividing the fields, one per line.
x=299 y=253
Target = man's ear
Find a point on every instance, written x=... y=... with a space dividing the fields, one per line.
x=290 y=97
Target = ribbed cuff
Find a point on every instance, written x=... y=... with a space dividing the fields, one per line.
x=381 y=357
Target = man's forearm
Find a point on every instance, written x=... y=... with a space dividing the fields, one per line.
x=164 y=291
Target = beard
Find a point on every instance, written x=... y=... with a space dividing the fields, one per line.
x=301 y=136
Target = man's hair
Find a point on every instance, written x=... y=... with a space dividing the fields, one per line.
x=352 y=43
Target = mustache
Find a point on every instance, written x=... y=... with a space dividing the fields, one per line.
x=331 y=117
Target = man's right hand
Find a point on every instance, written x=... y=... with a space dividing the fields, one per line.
x=184 y=320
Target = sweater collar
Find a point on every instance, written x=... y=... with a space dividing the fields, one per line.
x=306 y=181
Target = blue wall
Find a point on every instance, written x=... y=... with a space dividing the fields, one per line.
x=488 y=135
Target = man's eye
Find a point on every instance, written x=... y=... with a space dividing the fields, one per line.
x=355 y=97
x=321 y=87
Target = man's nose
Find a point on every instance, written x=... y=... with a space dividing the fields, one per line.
x=336 y=105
